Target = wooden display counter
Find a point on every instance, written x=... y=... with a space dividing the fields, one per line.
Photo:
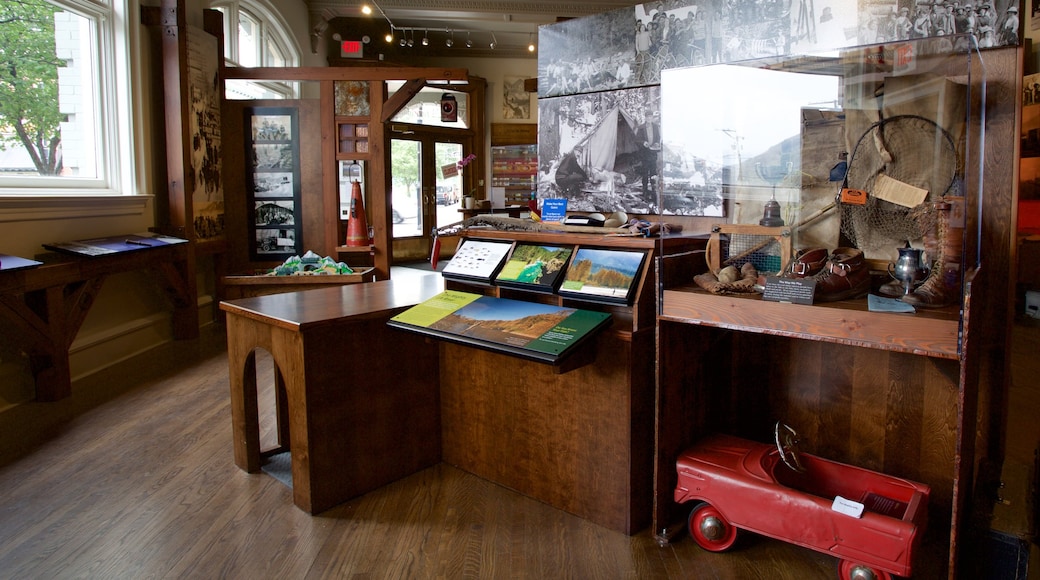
x=352 y=415
x=578 y=438
x=582 y=440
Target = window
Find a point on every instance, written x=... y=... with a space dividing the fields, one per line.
x=255 y=35
x=61 y=62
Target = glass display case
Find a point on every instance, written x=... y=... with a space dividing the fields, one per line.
x=834 y=294
x=860 y=153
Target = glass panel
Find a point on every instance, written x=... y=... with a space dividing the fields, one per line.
x=449 y=183
x=273 y=54
x=248 y=37
x=352 y=98
x=349 y=172
x=52 y=99
x=861 y=148
x=406 y=183
x=425 y=108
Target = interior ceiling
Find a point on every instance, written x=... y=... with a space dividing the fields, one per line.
x=511 y=22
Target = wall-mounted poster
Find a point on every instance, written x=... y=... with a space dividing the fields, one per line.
x=536 y=267
x=603 y=275
x=273 y=182
x=204 y=94
x=516 y=102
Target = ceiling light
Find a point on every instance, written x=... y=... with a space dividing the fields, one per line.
x=469 y=43
x=411 y=38
x=494 y=41
x=403 y=40
x=530 y=43
x=451 y=39
x=366 y=10
x=425 y=40
x=389 y=36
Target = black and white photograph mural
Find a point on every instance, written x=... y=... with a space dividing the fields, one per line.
x=631 y=46
x=601 y=151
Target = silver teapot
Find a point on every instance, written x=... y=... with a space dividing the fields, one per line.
x=909 y=269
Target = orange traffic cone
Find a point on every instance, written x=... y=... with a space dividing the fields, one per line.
x=357 y=224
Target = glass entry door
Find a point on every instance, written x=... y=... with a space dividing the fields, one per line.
x=426 y=191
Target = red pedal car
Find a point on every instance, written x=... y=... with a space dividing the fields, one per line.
x=736 y=484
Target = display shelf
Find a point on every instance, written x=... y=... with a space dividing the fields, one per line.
x=934 y=333
x=352 y=139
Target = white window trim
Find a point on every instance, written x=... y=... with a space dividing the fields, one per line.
x=118 y=132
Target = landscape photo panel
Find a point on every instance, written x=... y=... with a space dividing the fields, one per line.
x=603 y=275
x=536 y=267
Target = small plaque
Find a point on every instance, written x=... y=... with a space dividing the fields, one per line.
x=794 y=290
x=847 y=507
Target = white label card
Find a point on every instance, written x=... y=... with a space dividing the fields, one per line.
x=847 y=507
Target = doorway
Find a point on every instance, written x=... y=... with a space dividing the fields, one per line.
x=426 y=189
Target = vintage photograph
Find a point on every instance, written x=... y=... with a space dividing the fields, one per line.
x=274 y=213
x=276 y=241
x=516 y=102
x=630 y=47
x=278 y=184
x=272 y=128
x=601 y=151
x=272 y=157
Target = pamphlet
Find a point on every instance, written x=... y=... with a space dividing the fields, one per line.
x=114 y=244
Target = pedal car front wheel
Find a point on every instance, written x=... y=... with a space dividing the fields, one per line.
x=849 y=570
x=710 y=529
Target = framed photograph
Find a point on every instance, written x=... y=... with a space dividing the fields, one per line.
x=603 y=275
x=535 y=267
x=477 y=260
x=273 y=182
x=274 y=213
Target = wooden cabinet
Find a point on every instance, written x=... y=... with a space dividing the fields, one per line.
x=895 y=393
x=578 y=436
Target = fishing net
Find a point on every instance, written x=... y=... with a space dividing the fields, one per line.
x=912 y=150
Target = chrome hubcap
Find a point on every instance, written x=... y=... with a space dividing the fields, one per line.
x=861 y=573
x=712 y=528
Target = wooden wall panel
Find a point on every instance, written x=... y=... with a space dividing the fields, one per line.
x=580 y=441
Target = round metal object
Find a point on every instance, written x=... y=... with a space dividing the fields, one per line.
x=710 y=529
x=848 y=570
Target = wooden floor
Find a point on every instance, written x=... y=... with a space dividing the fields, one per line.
x=133 y=478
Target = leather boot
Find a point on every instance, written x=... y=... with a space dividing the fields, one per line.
x=845 y=276
x=942 y=287
x=807 y=263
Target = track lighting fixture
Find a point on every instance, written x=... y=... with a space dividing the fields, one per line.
x=530 y=43
x=411 y=38
x=451 y=39
x=469 y=42
x=425 y=39
x=494 y=41
x=366 y=9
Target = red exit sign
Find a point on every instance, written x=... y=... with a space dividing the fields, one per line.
x=350 y=48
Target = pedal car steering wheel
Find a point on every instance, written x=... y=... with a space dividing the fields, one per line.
x=787 y=444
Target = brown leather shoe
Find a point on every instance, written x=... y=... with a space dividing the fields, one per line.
x=845 y=276
x=808 y=263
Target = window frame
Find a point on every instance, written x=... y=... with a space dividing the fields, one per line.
x=115 y=133
x=273 y=30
